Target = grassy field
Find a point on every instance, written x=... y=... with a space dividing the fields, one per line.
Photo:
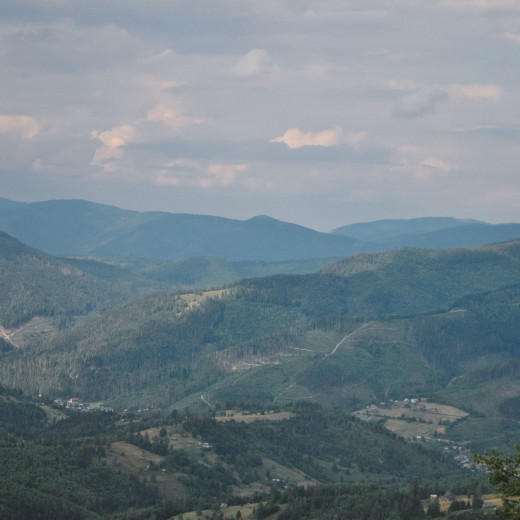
x=34 y=329
x=196 y=298
x=412 y=419
x=246 y=510
x=137 y=461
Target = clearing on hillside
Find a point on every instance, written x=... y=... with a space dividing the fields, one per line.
x=412 y=418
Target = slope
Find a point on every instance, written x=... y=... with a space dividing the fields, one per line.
x=34 y=284
x=76 y=227
x=363 y=329
x=431 y=232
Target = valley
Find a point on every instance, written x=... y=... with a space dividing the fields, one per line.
x=367 y=374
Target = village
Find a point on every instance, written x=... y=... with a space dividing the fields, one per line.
x=419 y=420
x=74 y=403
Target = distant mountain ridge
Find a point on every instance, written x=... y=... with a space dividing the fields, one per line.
x=431 y=232
x=390 y=228
x=367 y=328
x=76 y=227
x=82 y=228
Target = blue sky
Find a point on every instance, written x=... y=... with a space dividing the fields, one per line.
x=321 y=113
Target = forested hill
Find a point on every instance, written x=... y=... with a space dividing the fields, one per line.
x=372 y=328
x=438 y=270
x=95 y=465
x=33 y=284
x=438 y=232
x=76 y=227
x=82 y=228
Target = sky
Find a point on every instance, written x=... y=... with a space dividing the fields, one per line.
x=317 y=112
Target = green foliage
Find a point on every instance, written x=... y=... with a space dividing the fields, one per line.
x=505 y=474
x=317 y=438
x=39 y=285
x=21 y=418
x=341 y=501
x=58 y=482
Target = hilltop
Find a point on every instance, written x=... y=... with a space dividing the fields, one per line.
x=85 y=229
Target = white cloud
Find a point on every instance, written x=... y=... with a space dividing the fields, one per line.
x=413 y=164
x=513 y=37
x=171 y=116
x=222 y=174
x=255 y=62
x=113 y=140
x=344 y=11
x=423 y=101
x=190 y=173
x=479 y=5
x=295 y=138
x=403 y=84
x=476 y=91
x=23 y=127
x=437 y=164
x=354 y=139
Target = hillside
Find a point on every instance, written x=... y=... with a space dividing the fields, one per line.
x=61 y=463
x=84 y=229
x=34 y=284
x=81 y=228
x=396 y=228
x=371 y=328
x=439 y=232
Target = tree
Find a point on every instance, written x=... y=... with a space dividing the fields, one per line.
x=505 y=474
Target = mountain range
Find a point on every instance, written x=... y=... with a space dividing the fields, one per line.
x=261 y=382
x=86 y=229
x=371 y=327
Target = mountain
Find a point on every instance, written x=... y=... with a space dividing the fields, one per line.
x=369 y=328
x=431 y=232
x=9 y=204
x=34 y=284
x=394 y=228
x=84 y=229
x=81 y=228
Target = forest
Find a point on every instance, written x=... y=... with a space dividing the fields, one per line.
x=244 y=395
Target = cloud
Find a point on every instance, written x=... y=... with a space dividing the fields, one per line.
x=255 y=62
x=192 y=173
x=342 y=11
x=412 y=163
x=295 y=138
x=170 y=116
x=423 y=101
x=354 y=139
x=513 y=37
x=437 y=164
x=479 y=5
x=113 y=140
x=476 y=91
x=222 y=174
x=23 y=127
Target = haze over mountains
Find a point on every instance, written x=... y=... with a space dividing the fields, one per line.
x=423 y=344
x=366 y=328
x=81 y=228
